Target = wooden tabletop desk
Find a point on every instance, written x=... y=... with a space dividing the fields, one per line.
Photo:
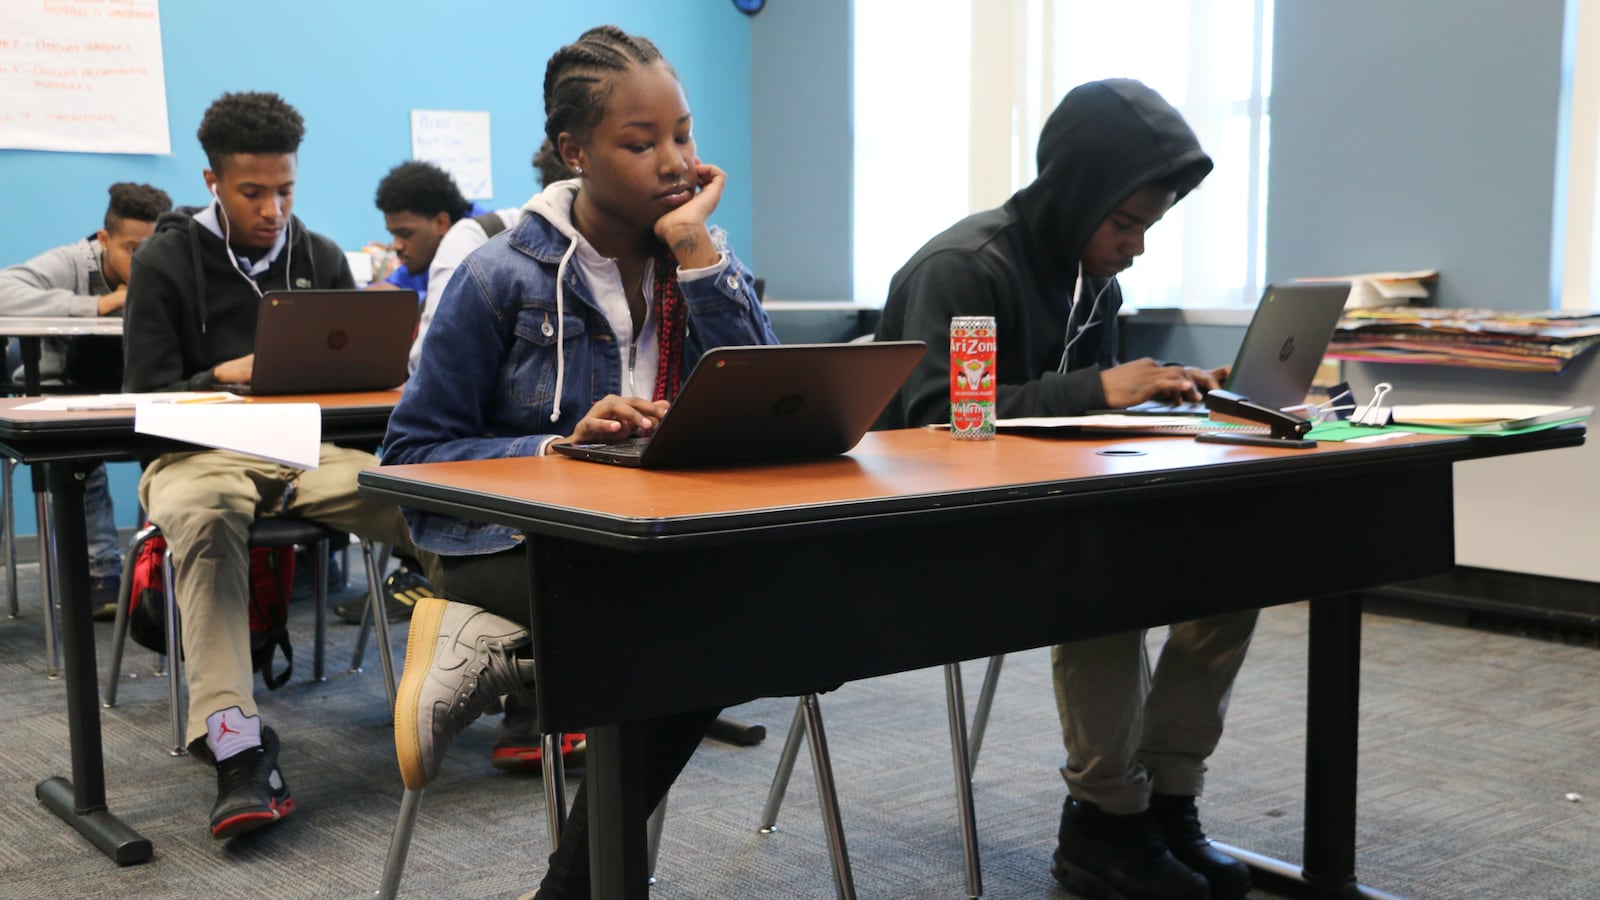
x=62 y=443
x=662 y=591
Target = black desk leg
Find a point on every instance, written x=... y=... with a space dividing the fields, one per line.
x=32 y=351
x=81 y=801
x=1333 y=697
x=618 y=869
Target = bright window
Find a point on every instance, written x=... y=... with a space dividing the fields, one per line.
x=910 y=132
x=915 y=161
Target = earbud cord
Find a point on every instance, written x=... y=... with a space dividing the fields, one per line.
x=288 y=242
x=1090 y=322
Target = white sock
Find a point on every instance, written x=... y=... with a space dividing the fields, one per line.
x=230 y=732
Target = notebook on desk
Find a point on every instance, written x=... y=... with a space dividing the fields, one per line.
x=331 y=342
x=1282 y=348
x=768 y=403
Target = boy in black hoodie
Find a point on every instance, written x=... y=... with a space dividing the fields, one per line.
x=1113 y=158
x=190 y=323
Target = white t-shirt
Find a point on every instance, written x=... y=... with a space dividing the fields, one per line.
x=465 y=236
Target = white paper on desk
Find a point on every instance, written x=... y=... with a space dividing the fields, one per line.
x=1102 y=420
x=127 y=401
x=286 y=433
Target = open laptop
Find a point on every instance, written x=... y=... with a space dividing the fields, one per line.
x=1282 y=348
x=331 y=342
x=766 y=403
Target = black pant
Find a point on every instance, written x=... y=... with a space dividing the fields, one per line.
x=498 y=583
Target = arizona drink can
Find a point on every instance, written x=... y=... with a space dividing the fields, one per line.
x=972 y=384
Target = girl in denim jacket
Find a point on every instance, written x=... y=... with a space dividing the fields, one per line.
x=578 y=325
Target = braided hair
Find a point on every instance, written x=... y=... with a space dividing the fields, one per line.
x=577 y=82
x=579 y=77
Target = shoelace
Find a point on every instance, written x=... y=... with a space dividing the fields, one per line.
x=498 y=674
x=239 y=772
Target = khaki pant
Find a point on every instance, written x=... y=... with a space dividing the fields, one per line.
x=1129 y=733
x=205 y=502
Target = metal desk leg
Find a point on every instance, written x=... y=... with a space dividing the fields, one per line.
x=82 y=801
x=48 y=562
x=8 y=541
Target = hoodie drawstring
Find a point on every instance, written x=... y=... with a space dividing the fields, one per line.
x=561 y=329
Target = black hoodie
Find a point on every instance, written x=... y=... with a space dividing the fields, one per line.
x=1018 y=263
x=189 y=309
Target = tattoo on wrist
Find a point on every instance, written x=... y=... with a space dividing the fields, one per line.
x=685 y=246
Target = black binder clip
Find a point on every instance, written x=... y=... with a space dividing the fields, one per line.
x=1287 y=430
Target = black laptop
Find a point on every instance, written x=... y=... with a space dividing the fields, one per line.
x=1282 y=348
x=767 y=403
x=331 y=342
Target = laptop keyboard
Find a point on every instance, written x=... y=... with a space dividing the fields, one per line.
x=633 y=448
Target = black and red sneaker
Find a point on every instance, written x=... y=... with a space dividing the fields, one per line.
x=251 y=791
x=527 y=755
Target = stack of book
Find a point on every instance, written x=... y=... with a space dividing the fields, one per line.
x=1484 y=339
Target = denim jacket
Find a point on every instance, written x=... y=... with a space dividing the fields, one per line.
x=486 y=385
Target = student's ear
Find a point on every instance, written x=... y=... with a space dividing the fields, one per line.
x=440 y=223
x=104 y=237
x=211 y=181
x=570 y=151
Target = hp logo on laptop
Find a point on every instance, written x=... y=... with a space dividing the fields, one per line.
x=787 y=406
x=1286 y=351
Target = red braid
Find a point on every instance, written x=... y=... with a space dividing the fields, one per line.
x=671 y=319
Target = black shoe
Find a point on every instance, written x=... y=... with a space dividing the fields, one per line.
x=1120 y=857
x=251 y=791
x=1180 y=825
x=401 y=591
x=103 y=595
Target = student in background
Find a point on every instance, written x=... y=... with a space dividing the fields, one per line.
x=419 y=202
x=1113 y=158
x=468 y=234
x=88 y=278
x=191 y=317
x=577 y=324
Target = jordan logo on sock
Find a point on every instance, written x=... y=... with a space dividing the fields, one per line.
x=230 y=732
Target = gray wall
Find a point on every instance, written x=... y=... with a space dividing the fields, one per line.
x=1417 y=134
x=801 y=136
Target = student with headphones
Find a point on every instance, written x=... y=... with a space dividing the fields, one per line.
x=1113 y=158
x=191 y=315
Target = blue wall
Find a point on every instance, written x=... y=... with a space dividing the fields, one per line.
x=1419 y=134
x=355 y=71
x=803 y=159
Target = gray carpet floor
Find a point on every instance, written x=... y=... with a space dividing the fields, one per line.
x=1471 y=743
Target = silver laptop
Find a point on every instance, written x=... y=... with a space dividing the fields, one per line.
x=331 y=342
x=1282 y=348
x=767 y=403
